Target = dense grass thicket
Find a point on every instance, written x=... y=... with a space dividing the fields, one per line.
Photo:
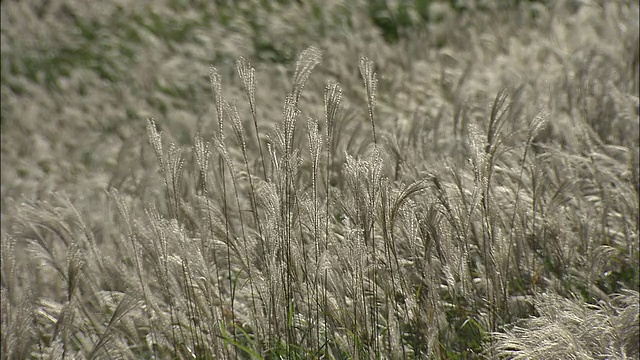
x=320 y=179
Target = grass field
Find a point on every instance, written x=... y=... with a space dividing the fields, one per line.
x=320 y=179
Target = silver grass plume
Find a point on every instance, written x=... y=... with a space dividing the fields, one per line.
x=216 y=89
x=171 y=167
x=370 y=83
x=290 y=114
x=202 y=153
x=248 y=79
x=332 y=98
x=307 y=60
x=156 y=141
x=247 y=76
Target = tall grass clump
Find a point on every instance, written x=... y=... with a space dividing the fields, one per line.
x=473 y=201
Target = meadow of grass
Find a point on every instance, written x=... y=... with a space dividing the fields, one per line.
x=320 y=179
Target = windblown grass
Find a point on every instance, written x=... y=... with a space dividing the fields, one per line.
x=465 y=187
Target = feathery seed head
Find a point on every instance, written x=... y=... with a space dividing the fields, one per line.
x=308 y=59
x=248 y=78
x=332 y=98
x=156 y=141
x=216 y=89
x=370 y=83
x=290 y=114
